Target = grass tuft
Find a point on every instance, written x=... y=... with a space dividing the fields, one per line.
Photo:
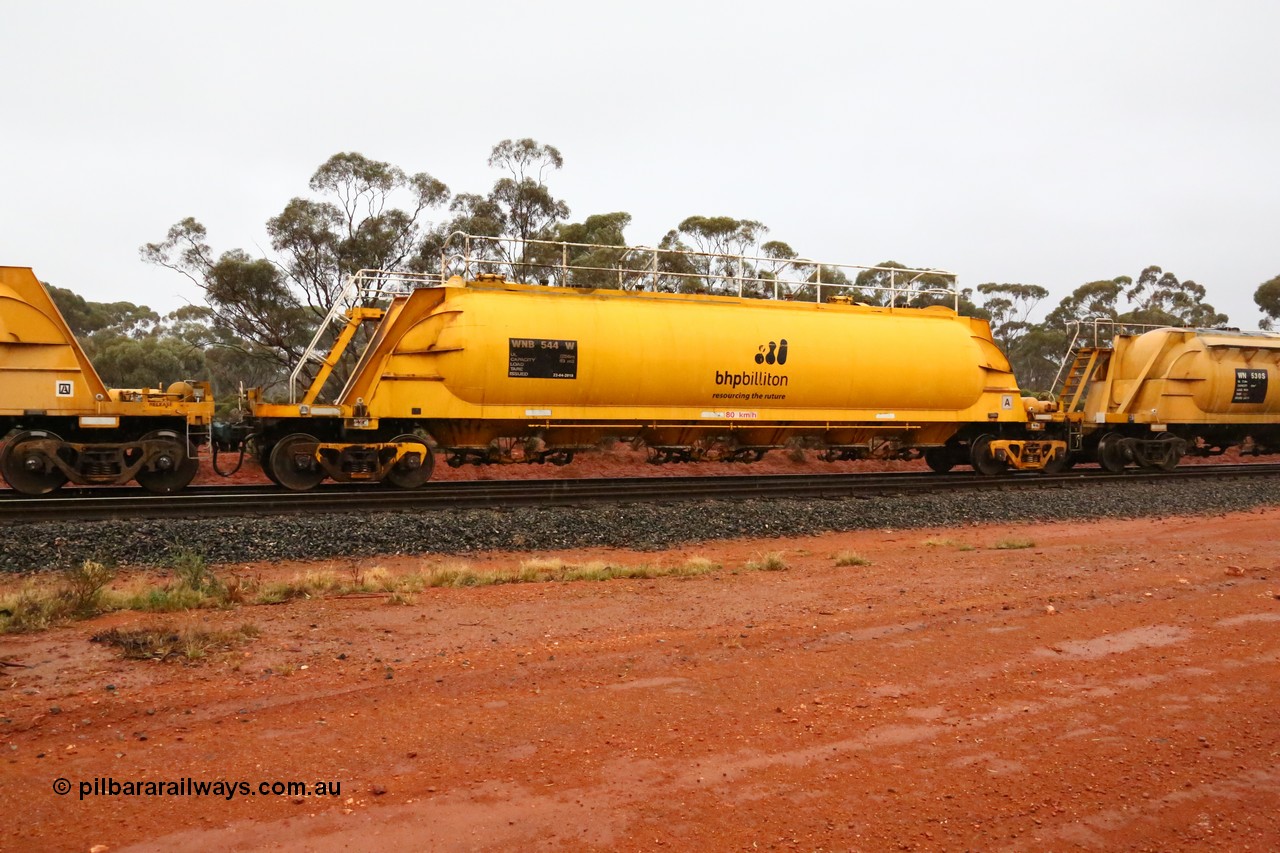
x=774 y=561
x=79 y=593
x=191 y=571
x=35 y=607
x=945 y=542
x=164 y=599
x=695 y=566
x=554 y=570
x=849 y=558
x=83 y=587
x=1014 y=544
x=165 y=643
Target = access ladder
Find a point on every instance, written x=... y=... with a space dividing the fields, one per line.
x=1087 y=360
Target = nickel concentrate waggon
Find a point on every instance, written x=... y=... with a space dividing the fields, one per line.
x=682 y=352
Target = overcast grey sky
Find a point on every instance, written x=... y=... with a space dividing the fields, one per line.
x=1048 y=143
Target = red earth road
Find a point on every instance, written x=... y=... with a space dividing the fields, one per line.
x=1106 y=686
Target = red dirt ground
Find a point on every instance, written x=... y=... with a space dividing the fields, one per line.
x=1109 y=686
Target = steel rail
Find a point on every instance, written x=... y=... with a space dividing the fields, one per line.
x=223 y=501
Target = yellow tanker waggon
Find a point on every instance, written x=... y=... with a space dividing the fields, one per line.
x=484 y=369
x=60 y=423
x=1149 y=399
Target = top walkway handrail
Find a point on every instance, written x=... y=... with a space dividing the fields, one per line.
x=568 y=264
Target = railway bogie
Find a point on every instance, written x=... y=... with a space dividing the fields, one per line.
x=299 y=451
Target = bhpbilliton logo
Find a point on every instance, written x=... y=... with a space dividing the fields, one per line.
x=776 y=354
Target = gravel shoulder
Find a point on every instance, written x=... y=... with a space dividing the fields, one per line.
x=1099 y=683
x=160 y=542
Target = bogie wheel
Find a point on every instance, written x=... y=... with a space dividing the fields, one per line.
x=263 y=455
x=981 y=459
x=1110 y=454
x=174 y=469
x=293 y=463
x=1058 y=463
x=27 y=469
x=939 y=459
x=406 y=475
x=1173 y=457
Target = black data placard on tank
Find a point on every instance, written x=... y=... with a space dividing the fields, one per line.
x=1251 y=386
x=539 y=358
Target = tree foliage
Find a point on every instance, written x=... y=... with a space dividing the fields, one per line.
x=1092 y=300
x=269 y=307
x=598 y=266
x=518 y=208
x=705 y=254
x=893 y=283
x=353 y=226
x=1267 y=297
x=248 y=298
x=130 y=345
x=86 y=318
x=1159 y=299
x=528 y=209
x=1009 y=308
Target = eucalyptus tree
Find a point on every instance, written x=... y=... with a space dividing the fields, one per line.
x=1159 y=299
x=366 y=214
x=518 y=211
x=1009 y=308
x=528 y=207
x=131 y=346
x=708 y=253
x=1267 y=297
x=85 y=317
x=597 y=248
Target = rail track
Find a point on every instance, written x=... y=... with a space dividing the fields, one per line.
x=216 y=501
